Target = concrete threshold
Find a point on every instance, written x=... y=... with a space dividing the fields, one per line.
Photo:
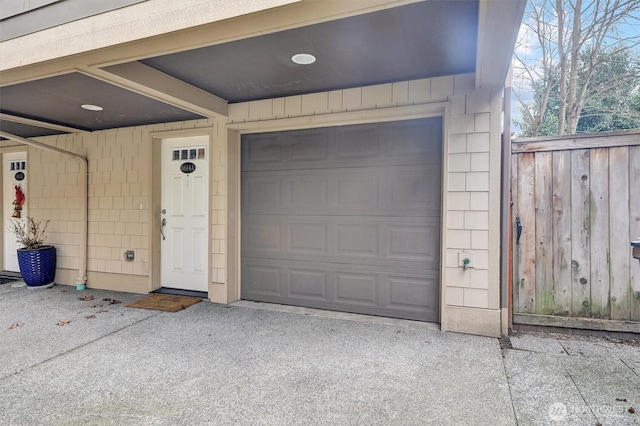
x=347 y=316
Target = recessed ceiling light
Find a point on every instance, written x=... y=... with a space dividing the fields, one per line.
x=92 y=107
x=303 y=58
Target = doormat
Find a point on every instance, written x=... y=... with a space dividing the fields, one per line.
x=9 y=277
x=165 y=302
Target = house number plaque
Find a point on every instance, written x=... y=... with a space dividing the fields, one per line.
x=187 y=167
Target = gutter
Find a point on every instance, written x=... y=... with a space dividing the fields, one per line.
x=81 y=281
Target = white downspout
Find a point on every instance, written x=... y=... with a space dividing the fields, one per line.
x=81 y=281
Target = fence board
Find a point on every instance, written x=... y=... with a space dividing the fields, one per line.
x=618 y=230
x=561 y=232
x=525 y=281
x=580 y=231
x=544 y=233
x=634 y=230
x=581 y=141
x=599 y=203
x=580 y=207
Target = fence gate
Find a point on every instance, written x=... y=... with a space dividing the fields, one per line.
x=576 y=207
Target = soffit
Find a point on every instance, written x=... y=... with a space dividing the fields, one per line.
x=418 y=40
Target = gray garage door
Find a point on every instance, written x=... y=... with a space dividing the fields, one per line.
x=344 y=218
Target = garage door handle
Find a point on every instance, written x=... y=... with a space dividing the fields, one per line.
x=518 y=229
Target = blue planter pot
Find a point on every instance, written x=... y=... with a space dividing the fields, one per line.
x=38 y=267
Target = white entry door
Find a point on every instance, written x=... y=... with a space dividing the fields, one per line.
x=185 y=213
x=14 y=173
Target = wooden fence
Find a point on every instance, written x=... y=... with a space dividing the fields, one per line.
x=578 y=201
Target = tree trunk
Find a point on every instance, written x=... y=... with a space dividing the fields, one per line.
x=573 y=114
x=562 y=83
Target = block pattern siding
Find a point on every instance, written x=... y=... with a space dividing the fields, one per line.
x=218 y=203
x=120 y=185
x=468 y=202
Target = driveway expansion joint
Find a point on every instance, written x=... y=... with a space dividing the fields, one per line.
x=75 y=348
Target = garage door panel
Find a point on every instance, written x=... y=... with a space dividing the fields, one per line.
x=344 y=218
x=308 y=284
x=356 y=288
x=307 y=192
x=414 y=243
x=262 y=194
x=357 y=143
x=413 y=186
x=307 y=147
x=267 y=148
x=308 y=238
x=383 y=241
x=355 y=190
x=421 y=139
x=263 y=237
x=352 y=288
x=364 y=145
x=261 y=280
x=384 y=191
x=413 y=294
x=357 y=240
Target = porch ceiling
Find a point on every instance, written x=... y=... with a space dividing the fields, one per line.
x=417 y=40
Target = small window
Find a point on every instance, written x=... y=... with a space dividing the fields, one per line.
x=195 y=153
x=18 y=165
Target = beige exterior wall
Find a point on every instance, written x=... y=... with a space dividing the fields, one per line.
x=123 y=181
x=119 y=205
x=471 y=299
x=147 y=19
x=471 y=166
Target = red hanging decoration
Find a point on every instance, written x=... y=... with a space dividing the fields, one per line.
x=18 y=202
x=19 y=195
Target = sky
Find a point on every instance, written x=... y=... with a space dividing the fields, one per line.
x=528 y=48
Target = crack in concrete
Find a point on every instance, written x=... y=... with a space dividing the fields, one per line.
x=629 y=367
x=565 y=349
x=506 y=376
x=15 y=373
x=581 y=395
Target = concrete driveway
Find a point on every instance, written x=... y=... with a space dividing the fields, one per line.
x=107 y=364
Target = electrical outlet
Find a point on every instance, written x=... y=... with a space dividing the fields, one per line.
x=129 y=255
x=466 y=259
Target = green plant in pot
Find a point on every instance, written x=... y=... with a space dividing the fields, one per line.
x=37 y=260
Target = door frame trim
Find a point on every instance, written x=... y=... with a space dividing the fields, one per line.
x=8 y=150
x=156 y=139
x=234 y=137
